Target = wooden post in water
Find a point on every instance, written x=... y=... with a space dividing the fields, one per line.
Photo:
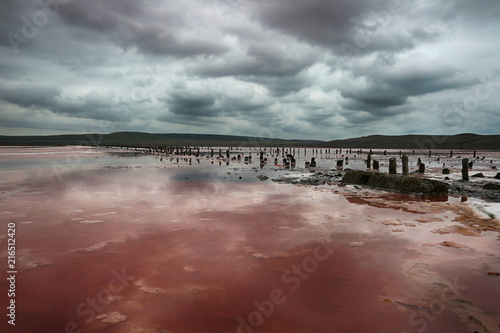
x=421 y=168
x=405 y=164
x=340 y=164
x=451 y=153
x=376 y=166
x=465 y=169
x=474 y=154
x=369 y=161
x=392 y=166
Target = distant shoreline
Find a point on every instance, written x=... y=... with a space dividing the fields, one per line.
x=466 y=141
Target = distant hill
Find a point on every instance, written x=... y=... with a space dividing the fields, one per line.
x=460 y=141
x=148 y=139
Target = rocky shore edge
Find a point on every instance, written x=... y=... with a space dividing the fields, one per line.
x=484 y=188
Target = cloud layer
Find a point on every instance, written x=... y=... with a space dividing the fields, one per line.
x=319 y=69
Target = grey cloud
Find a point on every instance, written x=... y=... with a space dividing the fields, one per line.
x=281 y=86
x=197 y=106
x=471 y=11
x=48 y=98
x=204 y=106
x=390 y=88
x=254 y=64
x=153 y=27
x=338 y=25
x=262 y=59
x=27 y=94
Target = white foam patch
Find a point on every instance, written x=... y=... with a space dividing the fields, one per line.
x=148 y=289
x=99 y=246
x=485 y=209
x=104 y=214
x=91 y=221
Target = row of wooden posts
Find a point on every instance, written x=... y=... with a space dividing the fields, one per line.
x=183 y=150
x=405 y=168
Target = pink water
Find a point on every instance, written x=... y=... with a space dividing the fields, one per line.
x=215 y=254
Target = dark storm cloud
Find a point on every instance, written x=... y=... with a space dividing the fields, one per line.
x=318 y=21
x=384 y=89
x=256 y=64
x=281 y=86
x=275 y=68
x=93 y=105
x=29 y=95
x=284 y=64
x=478 y=11
x=197 y=106
x=338 y=25
x=146 y=25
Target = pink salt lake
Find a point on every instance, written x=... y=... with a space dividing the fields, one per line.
x=111 y=242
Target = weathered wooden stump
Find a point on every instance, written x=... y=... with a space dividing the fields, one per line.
x=465 y=169
x=421 y=168
x=340 y=164
x=376 y=165
x=369 y=161
x=392 y=166
x=313 y=162
x=404 y=159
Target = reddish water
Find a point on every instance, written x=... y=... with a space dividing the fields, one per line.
x=177 y=256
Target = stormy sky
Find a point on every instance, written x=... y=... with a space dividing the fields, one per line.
x=315 y=69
